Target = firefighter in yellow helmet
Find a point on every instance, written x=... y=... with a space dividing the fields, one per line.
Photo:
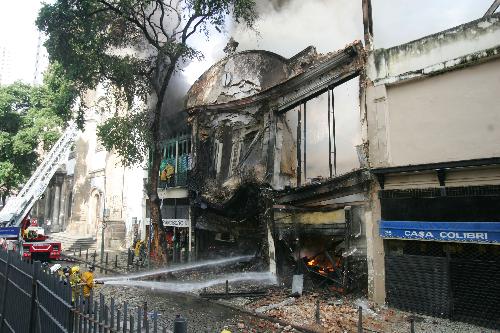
x=225 y=330
x=74 y=281
x=138 y=246
x=87 y=280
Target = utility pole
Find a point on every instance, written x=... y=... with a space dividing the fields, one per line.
x=103 y=227
x=105 y=215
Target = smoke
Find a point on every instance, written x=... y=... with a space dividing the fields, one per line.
x=173 y=118
x=288 y=26
x=398 y=22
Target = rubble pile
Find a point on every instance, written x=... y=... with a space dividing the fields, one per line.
x=335 y=315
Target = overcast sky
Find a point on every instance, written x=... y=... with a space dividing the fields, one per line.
x=331 y=24
x=286 y=29
x=328 y=24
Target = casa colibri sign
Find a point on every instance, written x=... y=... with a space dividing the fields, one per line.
x=478 y=232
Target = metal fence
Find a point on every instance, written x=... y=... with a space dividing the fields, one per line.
x=451 y=280
x=34 y=301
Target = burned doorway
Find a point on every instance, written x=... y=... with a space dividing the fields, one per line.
x=328 y=248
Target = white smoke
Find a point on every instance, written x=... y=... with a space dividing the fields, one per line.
x=288 y=26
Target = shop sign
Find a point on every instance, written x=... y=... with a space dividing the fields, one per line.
x=183 y=223
x=9 y=232
x=476 y=232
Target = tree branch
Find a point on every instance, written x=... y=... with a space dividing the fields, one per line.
x=196 y=26
x=100 y=10
x=151 y=23
x=133 y=20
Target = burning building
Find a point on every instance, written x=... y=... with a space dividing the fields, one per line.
x=251 y=192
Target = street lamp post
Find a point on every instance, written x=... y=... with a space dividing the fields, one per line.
x=105 y=215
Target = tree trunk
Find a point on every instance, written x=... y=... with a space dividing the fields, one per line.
x=160 y=247
x=159 y=244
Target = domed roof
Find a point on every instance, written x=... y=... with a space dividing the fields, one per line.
x=237 y=76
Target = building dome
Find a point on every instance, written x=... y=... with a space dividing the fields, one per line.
x=237 y=76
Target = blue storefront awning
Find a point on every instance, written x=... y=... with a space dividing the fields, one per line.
x=475 y=232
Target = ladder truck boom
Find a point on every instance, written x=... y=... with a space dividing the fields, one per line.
x=17 y=231
x=17 y=208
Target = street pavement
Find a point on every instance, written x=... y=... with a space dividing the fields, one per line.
x=202 y=316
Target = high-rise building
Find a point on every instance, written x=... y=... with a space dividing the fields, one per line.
x=5 y=65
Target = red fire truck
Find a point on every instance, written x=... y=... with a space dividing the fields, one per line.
x=30 y=241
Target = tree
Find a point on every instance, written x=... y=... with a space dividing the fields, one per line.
x=135 y=46
x=30 y=121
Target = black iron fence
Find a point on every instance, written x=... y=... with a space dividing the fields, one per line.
x=34 y=301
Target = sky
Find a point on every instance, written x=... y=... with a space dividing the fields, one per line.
x=19 y=38
x=284 y=27
x=331 y=24
x=327 y=24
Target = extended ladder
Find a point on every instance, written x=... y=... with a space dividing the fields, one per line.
x=17 y=208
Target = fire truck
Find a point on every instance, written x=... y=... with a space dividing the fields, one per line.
x=19 y=232
x=30 y=241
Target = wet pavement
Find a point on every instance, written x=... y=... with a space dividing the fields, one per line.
x=202 y=315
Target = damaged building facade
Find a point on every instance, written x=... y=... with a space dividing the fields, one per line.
x=251 y=193
x=433 y=130
x=415 y=221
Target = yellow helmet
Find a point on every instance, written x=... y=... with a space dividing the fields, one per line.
x=75 y=269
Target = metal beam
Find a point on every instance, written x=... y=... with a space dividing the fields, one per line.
x=344 y=185
x=441 y=175
x=493 y=8
x=441 y=165
x=334 y=137
x=367 y=23
x=271 y=146
x=305 y=142
x=329 y=138
x=299 y=152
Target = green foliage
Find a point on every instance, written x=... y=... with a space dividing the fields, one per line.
x=127 y=135
x=135 y=46
x=31 y=118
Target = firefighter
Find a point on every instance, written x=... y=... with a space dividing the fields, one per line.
x=58 y=271
x=225 y=330
x=87 y=280
x=74 y=281
x=45 y=266
x=66 y=272
x=138 y=246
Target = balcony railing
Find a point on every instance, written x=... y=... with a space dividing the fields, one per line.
x=176 y=162
x=176 y=180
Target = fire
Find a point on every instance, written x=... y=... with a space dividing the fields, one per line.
x=321 y=264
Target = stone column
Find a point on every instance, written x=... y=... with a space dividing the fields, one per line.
x=46 y=209
x=63 y=208
x=57 y=200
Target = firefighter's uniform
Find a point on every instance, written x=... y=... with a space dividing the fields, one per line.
x=87 y=281
x=74 y=281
